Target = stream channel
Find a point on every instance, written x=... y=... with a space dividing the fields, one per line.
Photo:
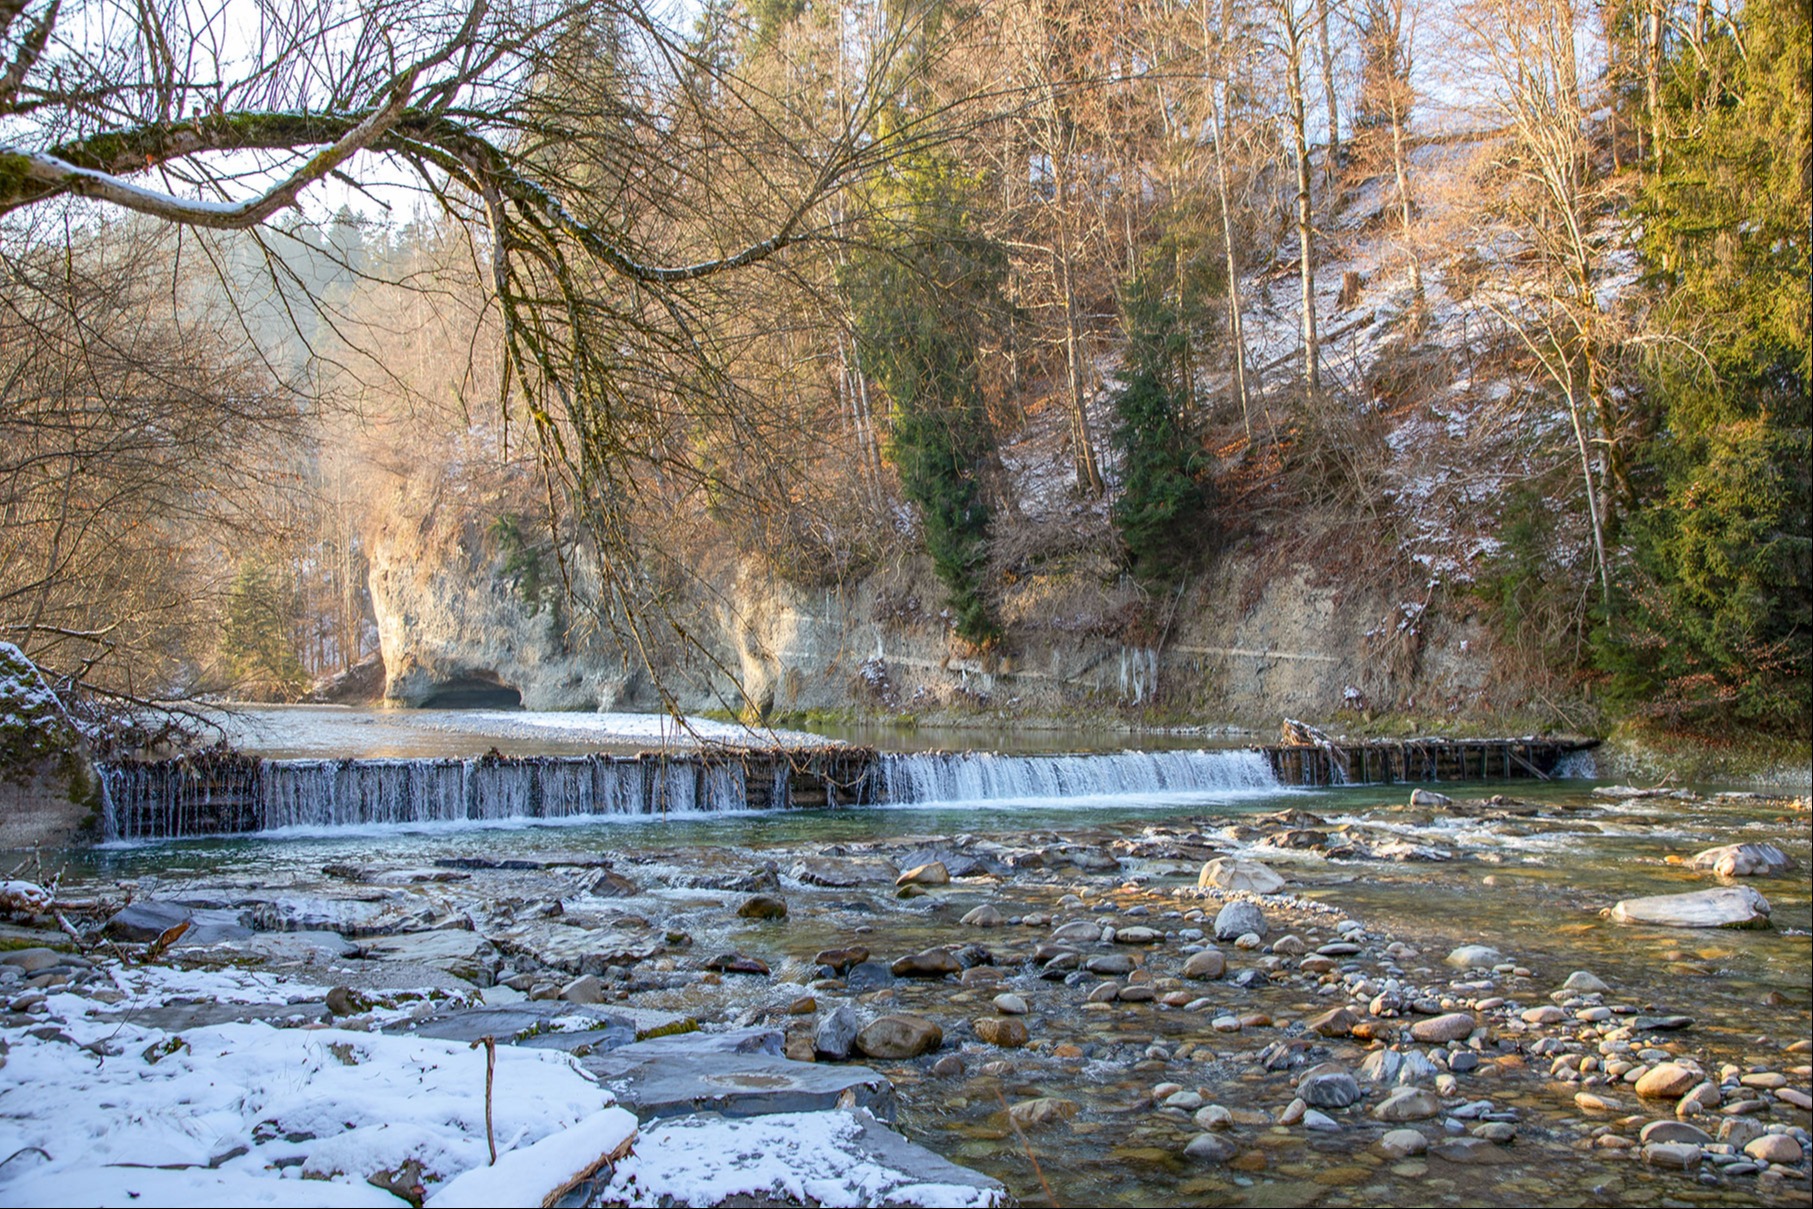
x=1527 y=874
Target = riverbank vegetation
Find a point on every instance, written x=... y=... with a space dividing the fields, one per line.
x=1510 y=297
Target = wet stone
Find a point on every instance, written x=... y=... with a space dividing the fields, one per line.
x=763 y=906
x=740 y=1085
x=898 y=1037
x=144 y=921
x=1206 y=965
x=1667 y=1081
x=1237 y=919
x=1210 y=1150
x=1724 y=907
x=738 y=963
x=1402 y=1143
x=868 y=976
x=1453 y=1026
x=1007 y=1032
x=1674 y=1131
x=1336 y=1022
x=1677 y=1156
x=930 y=963
x=1329 y=1089
x=1470 y=1152
x=1774 y=1148
x=1408 y=1104
x=840 y=960
x=835 y=1033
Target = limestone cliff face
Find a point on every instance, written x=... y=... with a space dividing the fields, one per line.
x=448 y=619
x=1243 y=645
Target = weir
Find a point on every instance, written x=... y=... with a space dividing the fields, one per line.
x=1401 y=761
x=231 y=794
x=223 y=793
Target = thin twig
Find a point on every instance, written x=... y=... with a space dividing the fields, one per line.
x=1027 y=1147
x=490 y=1044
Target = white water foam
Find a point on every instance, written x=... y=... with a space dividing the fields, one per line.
x=925 y=779
x=293 y=797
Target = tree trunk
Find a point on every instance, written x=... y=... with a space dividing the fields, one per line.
x=1293 y=31
x=1331 y=170
x=1237 y=330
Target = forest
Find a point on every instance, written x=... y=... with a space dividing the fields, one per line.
x=1512 y=295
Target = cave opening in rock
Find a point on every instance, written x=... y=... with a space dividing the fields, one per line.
x=480 y=690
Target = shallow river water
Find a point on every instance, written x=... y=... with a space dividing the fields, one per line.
x=1530 y=882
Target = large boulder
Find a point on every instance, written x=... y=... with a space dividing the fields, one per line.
x=1237 y=919
x=836 y=1033
x=144 y=921
x=1408 y=1104
x=899 y=1037
x=1452 y=1026
x=1724 y=907
x=1227 y=873
x=1744 y=860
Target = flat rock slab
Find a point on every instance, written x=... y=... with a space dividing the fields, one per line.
x=733 y=1041
x=1229 y=873
x=831 y=1158
x=454 y=950
x=542 y=860
x=349 y=916
x=143 y=922
x=180 y=1017
x=1724 y=907
x=307 y=947
x=1744 y=860
x=579 y=950
x=739 y=1085
x=842 y=873
x=521 y=1022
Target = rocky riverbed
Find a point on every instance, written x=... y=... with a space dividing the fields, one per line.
x=1348 y=1002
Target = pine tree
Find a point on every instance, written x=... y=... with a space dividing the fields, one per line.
x=920 y=307
x=1715 y=621
x=1162 y=508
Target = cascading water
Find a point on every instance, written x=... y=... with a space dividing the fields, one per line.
x=984 y=776
x=223 y=796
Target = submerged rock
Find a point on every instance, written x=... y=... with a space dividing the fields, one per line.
x=1724 y=907
x=675 y=1084
x=1043 y=1111
x=1475 y=956
x=1007 y=1032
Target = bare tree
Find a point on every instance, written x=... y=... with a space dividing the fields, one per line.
x=1291 y=30
x=129 y=447
x=1387 y=97
x=1552 y=191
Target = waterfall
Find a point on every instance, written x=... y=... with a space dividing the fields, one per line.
x=229 y=795
x=984 y=776
x=225 y=794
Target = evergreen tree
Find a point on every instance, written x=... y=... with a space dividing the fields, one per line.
x=1715 y=620
x=258 y=641
x=921 y=306
x=1162 y=508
